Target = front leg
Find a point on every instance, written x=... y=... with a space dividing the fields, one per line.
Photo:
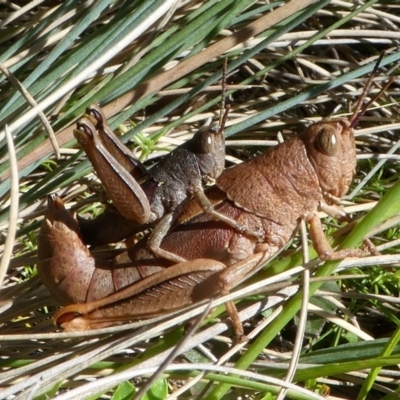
x=337 y=212
x=322 y=246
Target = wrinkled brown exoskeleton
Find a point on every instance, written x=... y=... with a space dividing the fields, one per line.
x=270 y=194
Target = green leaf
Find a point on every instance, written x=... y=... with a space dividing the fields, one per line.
x=158 y=391
x=124 y=391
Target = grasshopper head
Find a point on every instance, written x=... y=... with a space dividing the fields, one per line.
x=331 y=150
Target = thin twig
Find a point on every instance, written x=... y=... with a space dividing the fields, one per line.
x=298 y=343
x=33 y=103
x=174 y=353
x=14 y=194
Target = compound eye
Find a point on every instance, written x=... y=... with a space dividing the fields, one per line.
x=203 y=141
x=327 y=142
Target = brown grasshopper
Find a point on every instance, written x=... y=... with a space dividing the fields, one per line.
x=270 y=194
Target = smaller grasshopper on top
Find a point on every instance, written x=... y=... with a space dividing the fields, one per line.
x=149 y=198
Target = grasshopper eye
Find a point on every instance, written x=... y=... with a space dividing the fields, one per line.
x=203 y=141
x=326 y=141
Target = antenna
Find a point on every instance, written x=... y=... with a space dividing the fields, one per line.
x=360 y=109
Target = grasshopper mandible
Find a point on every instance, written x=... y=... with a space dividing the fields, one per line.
x=270 y=193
